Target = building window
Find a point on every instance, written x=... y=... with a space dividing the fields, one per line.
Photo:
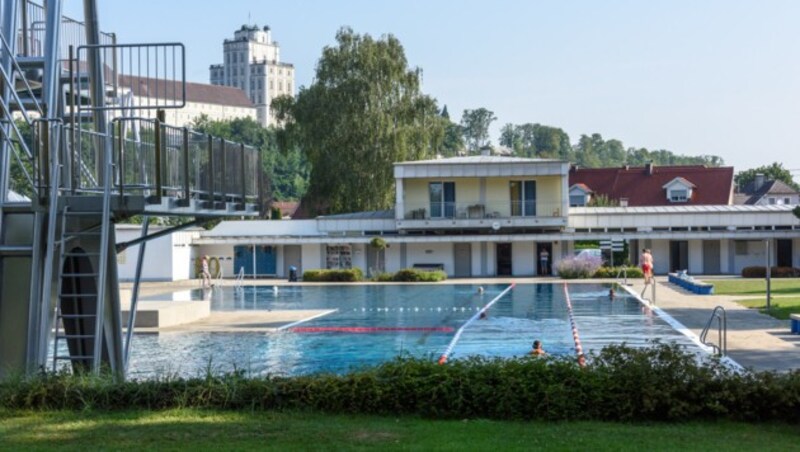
x=338 y=256
x=771 y=201
x=523 y=198
x=678 y=195
x=787 y=201
x=577 y=200
x=442 y=197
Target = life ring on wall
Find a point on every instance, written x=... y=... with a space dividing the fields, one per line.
x=214 y=267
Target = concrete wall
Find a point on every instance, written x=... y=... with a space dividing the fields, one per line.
x=223 y=254
x=748 y=253
x=431 y=253
x=524 y=263
x=695 y=257
x=312 y=257
x=158 y=258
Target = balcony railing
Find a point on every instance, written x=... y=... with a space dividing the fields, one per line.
x=477 y=210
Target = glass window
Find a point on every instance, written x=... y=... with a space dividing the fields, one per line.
x=338 y=256
x=678 y=195
x=772 y=200
x=442 y=197
x=523 y=198
x=577 y=200
x=787 y=200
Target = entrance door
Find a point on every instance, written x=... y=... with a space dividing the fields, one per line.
x=678 y=255
x=783 y=253
x=292 y=256
x=504 y=267
x=243 y=258
x=462 y=254
x=266 y=260
x=544 y=258
x=711 y=257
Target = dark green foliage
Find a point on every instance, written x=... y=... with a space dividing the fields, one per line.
x=661 y=383
x=334 y=275
x=475 y=128
x=775 y=171
x=275 y=214
x=612 y=272
x=775 y=272
x=419 y=275
x=378 y=243
x=796 y=212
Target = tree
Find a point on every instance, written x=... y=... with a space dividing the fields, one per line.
x=475 y=127
x=363 y=112
x=796 y=212
x=775 y=171
x=445 y=114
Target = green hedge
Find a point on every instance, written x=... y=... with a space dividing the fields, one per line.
x=340 y=275
x=612 y=272
x=419 y=275
x=661 y=383
x=775 y=272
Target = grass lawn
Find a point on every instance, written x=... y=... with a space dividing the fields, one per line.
x=780 y=286
x=236 y=430
x=781 y=307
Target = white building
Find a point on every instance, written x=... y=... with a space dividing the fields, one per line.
x=485 y=216
x=252 y=63
x=219 y=103
x=167 y=258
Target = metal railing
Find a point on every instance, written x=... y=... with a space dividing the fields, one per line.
x=154 y=160
x=32 y=32
x=239 y=278
x=721 y=347
x=436 y=210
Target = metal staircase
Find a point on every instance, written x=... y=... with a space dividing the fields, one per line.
x=89 y=161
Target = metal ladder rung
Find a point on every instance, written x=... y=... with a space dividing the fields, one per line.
x=77 y=316
x=73 y=275
x=77 y=295
x=75 y=336
x=80 y=254
x=74 y=358
x=71 y=213
x=84 y=234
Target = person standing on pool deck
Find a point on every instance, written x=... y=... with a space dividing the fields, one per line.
x=206 y=275
x=647 y=268
x=544 y=260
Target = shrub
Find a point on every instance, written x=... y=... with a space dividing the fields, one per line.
x=379 y=276
x=335 y=275
x=776 y=272
x=578 y=267
x=419 y=275
x=612 y=272
x=661 y=383
x=378 y=243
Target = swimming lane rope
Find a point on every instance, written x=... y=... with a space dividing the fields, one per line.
x=575 y=336
x=457 y=336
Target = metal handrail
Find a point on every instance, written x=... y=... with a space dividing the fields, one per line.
x=239 y=278
x=624 y=272
x=28 y=88
x=720 y=315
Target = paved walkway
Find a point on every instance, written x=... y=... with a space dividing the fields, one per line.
x=755 y=340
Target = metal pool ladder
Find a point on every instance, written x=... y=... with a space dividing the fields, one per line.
x=721 y=348
x=239 y=278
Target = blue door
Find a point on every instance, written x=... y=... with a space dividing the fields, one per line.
x=266 y=260
x=243 y=257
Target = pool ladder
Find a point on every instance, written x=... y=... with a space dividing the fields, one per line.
x=239 y=279
x=721 y=348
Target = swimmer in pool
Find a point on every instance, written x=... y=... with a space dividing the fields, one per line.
x=480 y=290
x=537 y=349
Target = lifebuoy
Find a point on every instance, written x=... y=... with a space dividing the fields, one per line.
x=214 y=267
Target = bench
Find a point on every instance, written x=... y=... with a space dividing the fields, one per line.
x=429 y=267
x=795 y=319
x=700 y=288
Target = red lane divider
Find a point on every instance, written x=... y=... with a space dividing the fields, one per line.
x=368 y=329
x=575 y=336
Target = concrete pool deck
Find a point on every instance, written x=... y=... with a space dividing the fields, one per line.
x=755 y=340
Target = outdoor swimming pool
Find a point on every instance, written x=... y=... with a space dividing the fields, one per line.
x=430 y=314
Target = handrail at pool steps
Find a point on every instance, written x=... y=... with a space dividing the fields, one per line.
x=623 y=271
x=721 y=348
x=451 y=346
x=239 y=278
x=687 y=282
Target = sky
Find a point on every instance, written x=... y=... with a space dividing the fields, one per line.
x=717 y=77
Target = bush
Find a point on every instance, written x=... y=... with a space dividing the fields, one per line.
x=336 y=275
x=578 y=267
x=379 y=276
x=661 y=383
x=419 y=275
x=776 y=272
x=612 y=272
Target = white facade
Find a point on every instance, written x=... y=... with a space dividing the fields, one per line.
x=252 y=63
x=167 y=258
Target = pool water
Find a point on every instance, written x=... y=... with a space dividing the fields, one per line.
x=526 y=313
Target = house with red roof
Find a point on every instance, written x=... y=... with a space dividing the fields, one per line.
x=651 y=185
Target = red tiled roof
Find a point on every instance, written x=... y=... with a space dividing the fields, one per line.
x=713 y=185
x=288 y=208
x=195 y=92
